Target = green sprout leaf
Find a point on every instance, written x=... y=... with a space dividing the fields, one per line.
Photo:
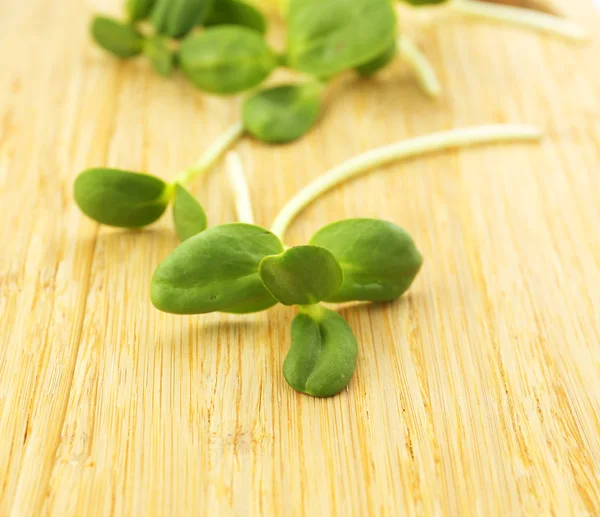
x=234 y=12
x=303 y=275
x=138 y=9
x=325 y=38
x=160 y=55
x=216 y=270
x=227 y=60
x=121 y=198
x=117 y=38
x=175 y=18
x=283 y=113
x=188 y=214
x=381 y=61
x=379 y=259
x=323 y=354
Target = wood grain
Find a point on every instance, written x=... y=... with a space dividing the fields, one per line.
x=476 y=394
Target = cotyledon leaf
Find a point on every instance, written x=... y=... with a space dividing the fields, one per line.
x=216 y=270
x=283 y=113
x=121 y=198
x=227 y=59
x=378 y=258
x=323 y=354
x=328 y=37
x=188 y=214
x=117 y=38
x=303 y=275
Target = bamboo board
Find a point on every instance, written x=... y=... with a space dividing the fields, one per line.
x=476 y=394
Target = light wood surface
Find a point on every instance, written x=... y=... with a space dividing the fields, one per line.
x=476 y=394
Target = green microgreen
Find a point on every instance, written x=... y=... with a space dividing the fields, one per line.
x=242 y=267
x=230 y=54
x=129 y=199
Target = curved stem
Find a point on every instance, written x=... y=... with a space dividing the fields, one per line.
x=421 y=65
x=519 y=16
x=414 y=147
x=239 y=184
x=212 y=155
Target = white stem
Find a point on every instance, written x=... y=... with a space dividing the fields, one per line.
x=239 y=184
x=414 y=147
x=421 y=65
x=519 y=16
x=212 y=155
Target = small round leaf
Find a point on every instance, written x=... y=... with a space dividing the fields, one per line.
x=303 y=275
x=188 y=214
x=175 y=18
x=216 y=270
x=381 y=61
x=121 y=198
x=117 y=38
x=328 y=37
x=378 y=258
x=323 y=354
x=160 y=55
x=138 y=9
x=234 y=12
x=227 y=59
x=283 y=113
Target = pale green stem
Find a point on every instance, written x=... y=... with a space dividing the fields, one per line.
x=519 y=16
x=316 y=311
x=426 y=75
x=241 y=192
x=212 y=155
x=408 y=148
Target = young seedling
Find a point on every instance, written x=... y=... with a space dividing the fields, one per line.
x=324 y=39
x=130 y=199
x=244 y=268
x=230 y=55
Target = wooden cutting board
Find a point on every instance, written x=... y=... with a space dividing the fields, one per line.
x=476 y=394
